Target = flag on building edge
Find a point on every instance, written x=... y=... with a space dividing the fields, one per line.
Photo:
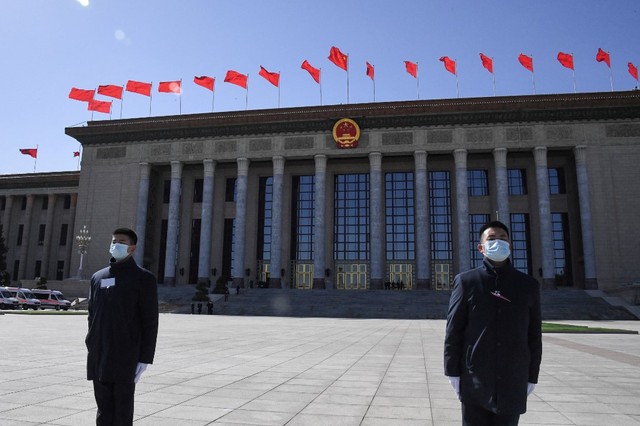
x=271 y=77
x=526 y=61
x=204 y=81
x=76 y=154
x=99 y=106
x=139 y=87
x=84 y=95
x=633 y=70
x=603 y=56
x=566 y=59
x=236 y=78
x=412 y=68
x=340 y=59
x=370 y=71
x=449 y=64
x=111 y=90
x=170 y=87
x=315 y=72
x=33 y=152
x=487 y=62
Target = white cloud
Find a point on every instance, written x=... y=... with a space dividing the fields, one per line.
x=84 y=3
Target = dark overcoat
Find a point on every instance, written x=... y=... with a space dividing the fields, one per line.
x=493 y=339
x=123 y=321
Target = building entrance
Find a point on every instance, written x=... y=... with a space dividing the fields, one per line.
x=352 y=276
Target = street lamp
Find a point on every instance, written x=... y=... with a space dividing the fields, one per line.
x=83 y=239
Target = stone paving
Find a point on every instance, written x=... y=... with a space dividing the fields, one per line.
x=231 y=370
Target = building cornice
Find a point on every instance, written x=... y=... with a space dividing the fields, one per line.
x=446 y=112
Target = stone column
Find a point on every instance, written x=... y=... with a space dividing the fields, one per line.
x=173 y=227
x=141 y=212
x=26 y=233
x=319 y=225
x=462 y=206
x=48 y=232
x=544 y=212
x=204 y=260
x=70 y=237
x=376 y=252
x=240 y=223
x=423 y=256
x=590 y=276
x=275 y=278
x=502 y=186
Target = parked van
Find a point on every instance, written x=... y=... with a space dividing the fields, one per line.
x=51 y=299
x=6 y=300
x=26 y=299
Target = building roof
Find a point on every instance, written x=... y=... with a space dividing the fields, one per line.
x=444 y=112
x=40 y=180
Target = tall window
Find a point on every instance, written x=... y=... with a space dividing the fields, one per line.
x=560 y=232
x=520 y=242
x=197 y=190
x=166 y=191
x=265 y=218
x=440 y=215
x=476 y=221
x=41 y=232
x=230 y=190
x=351 y=217
x=64 y=230
x=517 y=181
x=556 y=181
x=302 y=217
x=20 y=231
x=477 y=183
x=66 y=202
x=228 y=248
x=399 y=216
x=45 y=203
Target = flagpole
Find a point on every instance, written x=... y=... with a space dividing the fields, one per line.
x=320 y=85
x=180 y=96
x=279 y=73
x=417 y=81
x=374 y=89
x=610 y=72
x=347 y=78
x=121 y=98
x=213 y=99
x=457 y=85
x=533 y=81
x=79 y=153
x=246 y=98
x=150 y=96
x=35 y=160
x=574 y=79
x=494 y=77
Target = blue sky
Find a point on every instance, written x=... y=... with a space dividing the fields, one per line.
x=49 y=46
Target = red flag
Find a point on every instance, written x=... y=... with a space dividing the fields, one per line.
x=139 y=87
x=170 y=87
x=566 y=59
x=271 y=77
x=526 y=61
x=236 y=78
x=204 y=81
x=30 y=151
x=315 y=72
x=339 y=58
x=487 y=62
x=633 y=70
x=412 y=68
x=449 y=64
x=76 y=154
x=603 y=56
x=81 y=94
x=100 y=106
x=111 y=91
x=370 y=71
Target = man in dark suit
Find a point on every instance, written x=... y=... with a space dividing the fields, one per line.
x=493 y=342
x=123 y=329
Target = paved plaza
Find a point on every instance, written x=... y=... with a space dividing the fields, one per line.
x=227 y=370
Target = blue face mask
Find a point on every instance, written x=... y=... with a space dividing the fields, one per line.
x=119 y=251
x=497 y=250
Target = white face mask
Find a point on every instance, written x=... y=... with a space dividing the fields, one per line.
x=119 y=251
x=496 y=250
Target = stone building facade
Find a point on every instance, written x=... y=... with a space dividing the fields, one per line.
x=270 y=197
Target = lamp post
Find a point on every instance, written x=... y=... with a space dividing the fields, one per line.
x=83 y=239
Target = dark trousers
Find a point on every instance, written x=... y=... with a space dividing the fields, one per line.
x=473 y=415
x=115 y=403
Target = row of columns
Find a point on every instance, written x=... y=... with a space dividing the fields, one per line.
x=48 y=233
x=376 y=216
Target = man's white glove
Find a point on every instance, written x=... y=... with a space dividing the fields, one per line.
x=455 y=384
x=530 y=388
x=139 y=370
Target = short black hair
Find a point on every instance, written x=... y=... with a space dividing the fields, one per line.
x=129 y=233
x=493 y=224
